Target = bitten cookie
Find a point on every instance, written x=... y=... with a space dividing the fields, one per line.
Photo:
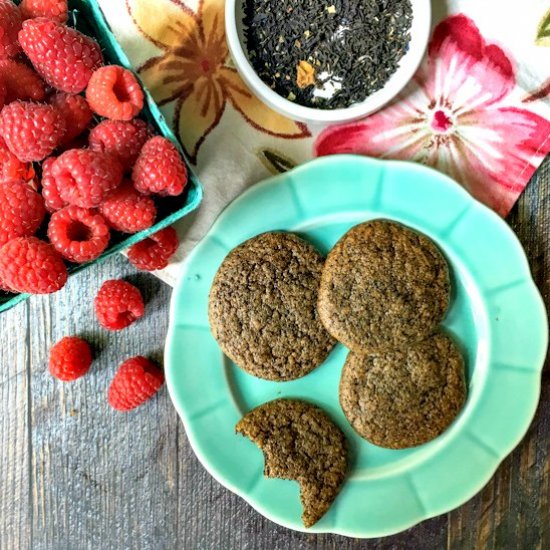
x=402 y=398
x=300 y=442
x=263 y=307
x=383 y=286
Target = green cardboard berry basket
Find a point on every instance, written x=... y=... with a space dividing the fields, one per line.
x=87 y=17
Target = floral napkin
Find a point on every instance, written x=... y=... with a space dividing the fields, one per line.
x=478 y=108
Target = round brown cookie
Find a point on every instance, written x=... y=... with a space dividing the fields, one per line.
x=263 y=307
x=300 y=442
x=398 y=399
x=383 y=286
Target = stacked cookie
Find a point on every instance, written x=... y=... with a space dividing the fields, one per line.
x=277 y=308
x=384 y=290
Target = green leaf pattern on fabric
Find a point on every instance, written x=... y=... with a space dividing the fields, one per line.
x=543 y=31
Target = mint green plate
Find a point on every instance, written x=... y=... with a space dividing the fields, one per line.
x=497 y=314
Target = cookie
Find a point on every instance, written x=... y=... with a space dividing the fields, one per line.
x=403 y=398
x=384 y=286
x=300 y=442
x=263 y=307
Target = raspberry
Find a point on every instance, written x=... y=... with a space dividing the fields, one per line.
x=159 y=168
x=10 y=23
x=56 y=10
x=21 y=81
x=118 y=304
x=154 y=251
x=75 y=112
x=28 y=264
x=70 y=358
x=78 y=234
x=64 y=57
x=126 y=210
x=4 y=287
x=135 y=382
x=50 y=193
x=115 y=93
x=21 y=210
x=120 y=138
x=3 y=93
x=11 y=168
x=84 y=177
x=31 y=131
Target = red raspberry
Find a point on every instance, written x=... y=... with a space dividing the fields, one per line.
x=159 y=168
x=10 y=23
x=75 y=112
x=64 y=57
x=21 y=211
x=11 y=168
x=31 y=131
x=21 y=81
x=28 y=264
x=118 y=304
x=70 y=358
x=3 y=93
x=124 y=139
x=135 y=382
x=126 y=210
x=78 y=234
x=4 y=287
x=115 y=93
x=56 y=10
x=52 y=199
x=155 y=251
x=84 y=177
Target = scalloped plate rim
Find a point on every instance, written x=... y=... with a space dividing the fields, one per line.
x=488 y=473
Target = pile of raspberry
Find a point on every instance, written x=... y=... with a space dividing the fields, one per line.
x=76 y=164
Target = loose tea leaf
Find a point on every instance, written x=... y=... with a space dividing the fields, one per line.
x=323 y=54
x=305 y=75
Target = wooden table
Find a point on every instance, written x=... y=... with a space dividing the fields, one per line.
x=76 y=475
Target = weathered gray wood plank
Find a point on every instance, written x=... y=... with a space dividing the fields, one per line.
x=87 y=477
x=15 y=512
x=101 y=479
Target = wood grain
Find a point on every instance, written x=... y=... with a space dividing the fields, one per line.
x=75 y=475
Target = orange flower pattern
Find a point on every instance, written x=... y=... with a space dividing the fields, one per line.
x=193 y=71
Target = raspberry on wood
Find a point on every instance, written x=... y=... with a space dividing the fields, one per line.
x=31 y=131
x=78 y=234
x=114 y=92
x=21 y=210
x=84 y=177
x=118 y=304
x=63 y=56
x=70 y=358
x=135 y=382
x=123 y=139
x=159 y=168
x=28 y=264
x=155 y=251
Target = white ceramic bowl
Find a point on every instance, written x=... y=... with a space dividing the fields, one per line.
x=420 y=31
